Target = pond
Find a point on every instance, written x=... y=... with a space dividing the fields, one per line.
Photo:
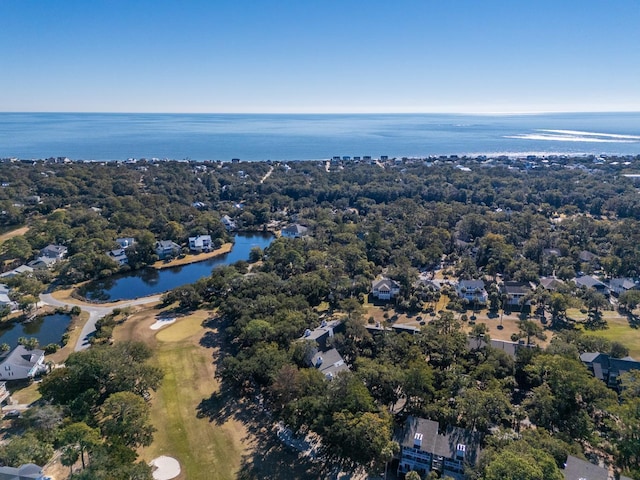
x=150 y=281
x=47 y=329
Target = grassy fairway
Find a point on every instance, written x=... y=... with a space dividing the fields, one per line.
x=620 y=331
x=206 y=450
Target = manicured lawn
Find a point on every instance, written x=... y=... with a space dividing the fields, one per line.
x=206 y=450
x=26 y=395
x=620 y=331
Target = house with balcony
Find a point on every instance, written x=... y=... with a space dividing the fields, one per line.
x=472 y=291
x=21 y=363
x=384 y=288
x=516 y=294
x=167 y=249
x=200 y=243
x=424 y=448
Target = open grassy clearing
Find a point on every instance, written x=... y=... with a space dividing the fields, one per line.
x=26 y=395
x=619 y=330
x=13 y=233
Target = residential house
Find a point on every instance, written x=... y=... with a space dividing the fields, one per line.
x=618 y=286
x=42 y=263
x=27 y=471
x=4 y=297
x=125 y=242
x=423 y=448
x=21 y=363
x=587 y=257
x=323 y=333
x=588 y=281
x=577 y=469
x=167 y=249
x=384 y=288
x=4 y=393
x=607 y=368
x=54 y=251
x=119 y=256
x=472 y=290
x=326 y=359
x=200 y=243
x=295 y=230
x=329 y=363
x=228 y=223
x=551 y=283
x=17 y=271
x=516 y=293
x=510 y=348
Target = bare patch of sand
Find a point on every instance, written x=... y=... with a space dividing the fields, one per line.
x=161 y=322
x=166 y=468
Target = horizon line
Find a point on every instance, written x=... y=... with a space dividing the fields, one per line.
x=471 y=113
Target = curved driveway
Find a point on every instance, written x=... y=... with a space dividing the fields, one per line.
x=95 y=313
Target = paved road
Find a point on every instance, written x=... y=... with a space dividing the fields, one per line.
x=96 y=312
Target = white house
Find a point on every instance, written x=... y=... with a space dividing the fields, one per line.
x=385 y=288
x=294 y=230
x=228 y=223
x=21 y=363
x=472 y=291
x=201 y=243
x=125 y=242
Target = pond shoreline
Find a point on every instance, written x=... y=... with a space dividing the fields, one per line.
x=193 y=258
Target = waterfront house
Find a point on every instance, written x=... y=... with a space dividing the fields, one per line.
x=228 y=223
x=21 y=363
x=167 y=249
x=200 y=243
x=384 y=288
x=423 y=448
x=294 y=230
x=119 y=256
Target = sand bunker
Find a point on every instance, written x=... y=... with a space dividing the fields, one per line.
x=166 y=468
x=162 y=322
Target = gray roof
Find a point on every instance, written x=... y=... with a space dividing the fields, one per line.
x=391 y=284
x=516 y=288
x=296 y=229
x=444 y=443
x=54 y=250
x=471 y=284
x=624 y=283
x=550 y=283
x=22 y=357
x=588 y=281
x=576 y=469
x=329 y=363
x=589 y=357
x=28 y=471
x=587 y=256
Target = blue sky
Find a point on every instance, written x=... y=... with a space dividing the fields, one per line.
x=319 y=56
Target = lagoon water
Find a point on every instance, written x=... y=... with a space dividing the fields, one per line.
x=96 y=136
x=47 y=329
x=150 y=281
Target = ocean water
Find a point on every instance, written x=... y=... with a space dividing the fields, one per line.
x=96 y=136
